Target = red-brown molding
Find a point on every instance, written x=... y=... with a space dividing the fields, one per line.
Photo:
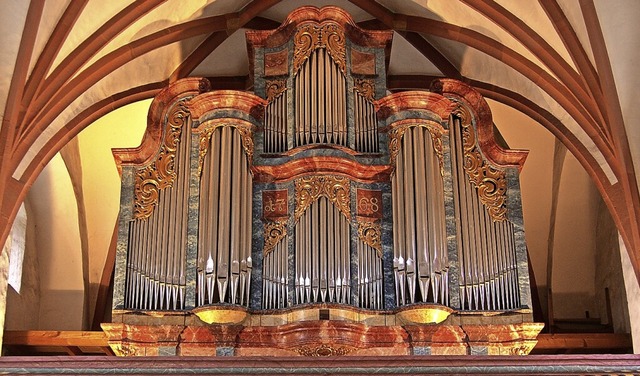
x=484 y=121
x=205 y=104
x=152 y=137
x=432 y=102
x=321 y=165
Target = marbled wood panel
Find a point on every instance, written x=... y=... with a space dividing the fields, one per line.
x=305 y=337
x=363 y=63
x=126 y=214
x=515 y=215
x=192 y=225
x=450 y=221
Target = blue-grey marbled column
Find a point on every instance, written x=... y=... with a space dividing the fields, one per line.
x=191 y=265
x=386 y=238
x=124 y=219
x=514 y=213
x=257 y=245
x=450 y=220
x=291 y=247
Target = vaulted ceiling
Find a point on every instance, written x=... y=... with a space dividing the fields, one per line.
x=566 y=64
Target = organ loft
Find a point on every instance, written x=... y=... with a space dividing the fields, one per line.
x=320 y=214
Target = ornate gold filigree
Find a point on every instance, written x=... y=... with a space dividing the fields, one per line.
x=370 y=234
x=205 y=140
x=161 y=173
x=395 y=138
x=365 y=87
x=275 y=88
x=309 y=189
x=312 y=36
x=490 y=182
x=323 y=350
x=274 y=232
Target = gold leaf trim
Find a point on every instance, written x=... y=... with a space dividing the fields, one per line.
x=311 y=36
x=323 y=350
x=395 y=138
x=490 y=182
x=370 y=234
x=275 y=88
x=161 y=173
x=205 y=141
x=309 y=189
x=365 y=87
x=274 y=232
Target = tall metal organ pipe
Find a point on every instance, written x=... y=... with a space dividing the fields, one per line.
x=420 y=251
x=486 y=246
x=224 y=250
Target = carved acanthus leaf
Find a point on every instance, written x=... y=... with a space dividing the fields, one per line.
x=365 y=87
x=370 y=234
x=205 y=141
x=490 y=181
x=274 y=232
x=323 y=350
x=395 y=141
x=161 y=173
x=312 y=36
x=309 y=189
x=275 y=88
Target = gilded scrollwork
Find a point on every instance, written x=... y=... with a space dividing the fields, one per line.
x=323 y=350
x=370 y=234
x=275 y=88
x=311 y=36
x=309 y=189
x=205 y=140
x=490 y=182
x=365 y=87
x=395 y=142
x=161 y=173
x=274 y=232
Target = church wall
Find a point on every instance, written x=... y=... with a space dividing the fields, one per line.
x=58 y=249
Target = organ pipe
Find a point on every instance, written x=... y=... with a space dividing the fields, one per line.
x=420 y=259
x=224 y=257
x=486 y=246
x=320 y=102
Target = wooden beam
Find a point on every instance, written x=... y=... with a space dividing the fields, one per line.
x=55 y=338
x=584 y=341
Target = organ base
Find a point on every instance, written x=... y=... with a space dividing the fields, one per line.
x=321 y=330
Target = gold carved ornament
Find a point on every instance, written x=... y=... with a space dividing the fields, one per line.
x=161 y=173
x=323 y=350
x=395 y=138
x=311 y=36
x=205 y=141
x=369 y=233
x=365 y=87
x=309 y=189
x=274 y=232
x=490 y=182
x=275 y=88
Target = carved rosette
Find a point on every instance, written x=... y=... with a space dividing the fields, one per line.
x=395 y=138
x=309 y=189
x=161 y=173
x=490 y=182
x=274 y=232
x=365 y=87
x=323 y=350
x=370 y=234
x=275 y=88
x=205 y=141
x=312 y=36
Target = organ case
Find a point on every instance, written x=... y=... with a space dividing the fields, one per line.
x=320 y=202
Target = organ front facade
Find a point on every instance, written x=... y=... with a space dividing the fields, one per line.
x=320 y=214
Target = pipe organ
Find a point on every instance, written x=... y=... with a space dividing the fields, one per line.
x=320 y=203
